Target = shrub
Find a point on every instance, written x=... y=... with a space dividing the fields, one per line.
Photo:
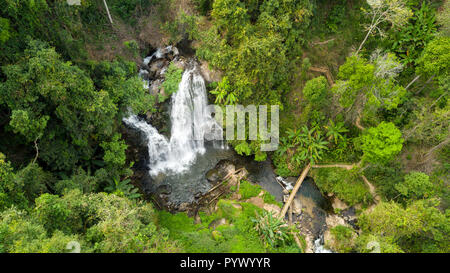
x=173 y=79
x=274 y=231
x=344 y=239
x=344 y=184
x=415 y=185
x=315 y=90
x=248 y=190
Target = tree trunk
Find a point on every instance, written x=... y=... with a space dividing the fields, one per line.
x=415 y=79
x=36 y=147
x=425 y=85
x=290 y=215
x=294 y=191
x=440 y=145
x=107 y=11
x=365 y=39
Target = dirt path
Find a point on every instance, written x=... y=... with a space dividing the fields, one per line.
x=358 y=123
x=344 y=166
x=325 y=71
x=372 y=190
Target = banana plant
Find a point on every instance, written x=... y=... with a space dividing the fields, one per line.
x=123 y=188
x=285 y=145
x=335 y=131
x=312 y=145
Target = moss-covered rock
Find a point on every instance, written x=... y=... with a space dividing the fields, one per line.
x=340 y=239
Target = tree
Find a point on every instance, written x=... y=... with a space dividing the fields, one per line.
x=255 y=44
x=11 y=193
x=34 y=181
x=369 y=243
x=430 y=123
x=435 y=61
x=419 y=227
x=355 y=75
x=99 y=222
x=124 y=86
x=393 y=12
x=409 y=40
x=114 y=151
x=315 y=90
x=55 y=214
x=415 y=185
x=380 y=144
x=370 y=85
x=4 y=30
x=31 y=128
x=56 y=102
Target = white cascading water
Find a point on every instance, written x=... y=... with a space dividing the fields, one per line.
x=319 y=247
x=190 y=122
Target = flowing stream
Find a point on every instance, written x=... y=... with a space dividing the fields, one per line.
x=319 y=247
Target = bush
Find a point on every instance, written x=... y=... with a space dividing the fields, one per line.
x=173 y=79
x=315 y=90
x=273 y=230
x=344 y=239
x=415 y=185
x=380 y=144
x=248 y=190
x=346 y=185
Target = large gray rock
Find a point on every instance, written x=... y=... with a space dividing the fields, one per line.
x=156 y=87
x=208 y=74
x=218 y=222
x=158 y=65
x=213 y=176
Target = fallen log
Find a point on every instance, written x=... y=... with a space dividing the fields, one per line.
x=294 y=191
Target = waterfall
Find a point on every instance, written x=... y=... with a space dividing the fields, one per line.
x=319 y=247
x=190 y=123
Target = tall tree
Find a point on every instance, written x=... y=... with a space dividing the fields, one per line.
x=56 y=102
x=394 y=12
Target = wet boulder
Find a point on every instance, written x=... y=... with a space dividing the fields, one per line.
x=213 y=176
x=158 y=65
x=164 y=189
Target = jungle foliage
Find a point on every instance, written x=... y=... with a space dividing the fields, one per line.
x=359 y=83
